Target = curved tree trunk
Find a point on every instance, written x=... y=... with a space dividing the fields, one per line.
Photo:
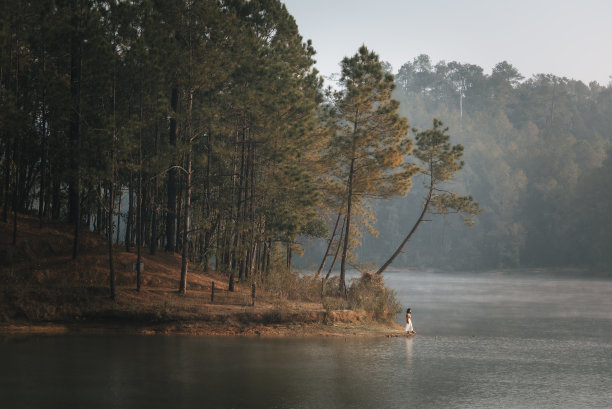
x=347 y=234
x=331 y=267
x=418 y=222
x=329 y=244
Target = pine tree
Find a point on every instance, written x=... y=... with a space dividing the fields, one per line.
x=439 y=163
x=370 y=143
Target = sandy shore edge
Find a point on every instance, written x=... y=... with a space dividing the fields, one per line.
x=206 y=328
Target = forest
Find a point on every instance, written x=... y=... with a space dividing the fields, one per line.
x=203 y=128
x=537 y=159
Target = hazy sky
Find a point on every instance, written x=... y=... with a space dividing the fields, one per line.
x=571 y=38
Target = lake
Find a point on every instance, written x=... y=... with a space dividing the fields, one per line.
x=487 y=341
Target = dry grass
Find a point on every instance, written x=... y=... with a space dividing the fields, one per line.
x=40 y=283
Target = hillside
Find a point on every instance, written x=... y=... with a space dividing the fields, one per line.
x=44 y=290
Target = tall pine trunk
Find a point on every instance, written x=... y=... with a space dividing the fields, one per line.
x=111 y=205
x=333 y=263
x=186 y=223
x=139 y=211
x=155 y=194
x=75 y=125
x=207 y=183
x=171 y=209
x=119 y=214
x=347 y=234
x=7 y=180
x=128 y=219
x=56 y=201
x=329 y=244
x=186 y=227
x=45 y=148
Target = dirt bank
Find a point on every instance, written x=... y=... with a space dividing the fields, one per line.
x=201 y=328
x=44 y=291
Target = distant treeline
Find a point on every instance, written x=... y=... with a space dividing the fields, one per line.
x=537 y=158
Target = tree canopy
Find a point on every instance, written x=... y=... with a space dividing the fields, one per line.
x=535 y=157
x=202 y=128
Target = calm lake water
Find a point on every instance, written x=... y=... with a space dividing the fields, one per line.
x=488 y=341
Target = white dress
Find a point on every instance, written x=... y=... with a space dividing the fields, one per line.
x=409 y=325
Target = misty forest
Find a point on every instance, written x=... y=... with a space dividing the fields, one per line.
x=192 y=214
x=203 y=128
x=537 y=158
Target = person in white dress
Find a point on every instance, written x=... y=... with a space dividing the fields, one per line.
x=409 y=328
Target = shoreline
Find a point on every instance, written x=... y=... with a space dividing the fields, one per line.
x=208 y=329
x=45 y=291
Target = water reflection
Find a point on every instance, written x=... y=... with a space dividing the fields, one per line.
x=408 y=352
x=520 y=357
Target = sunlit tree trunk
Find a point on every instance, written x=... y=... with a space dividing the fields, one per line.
x=187 y=215
x=347 y=232
x=329 y=244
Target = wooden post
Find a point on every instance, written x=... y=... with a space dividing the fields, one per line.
x=231 y=282
x=253 y=288
x=212 y=293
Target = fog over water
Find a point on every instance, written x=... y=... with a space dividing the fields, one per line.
x=523 y=305
x=486 y=341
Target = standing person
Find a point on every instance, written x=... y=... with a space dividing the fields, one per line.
x=409 y=329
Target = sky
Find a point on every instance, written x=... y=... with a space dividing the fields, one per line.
x=568 y=38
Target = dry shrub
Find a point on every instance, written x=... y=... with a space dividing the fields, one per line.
x=309 y=287
x=334 y=303
x=290 y=286
x=163 y=311
x=330 y=287
x=369 y=293
x=280 y=311
x=330 y=290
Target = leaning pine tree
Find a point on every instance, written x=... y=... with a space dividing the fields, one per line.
x=370 y=141
x=439 y=163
